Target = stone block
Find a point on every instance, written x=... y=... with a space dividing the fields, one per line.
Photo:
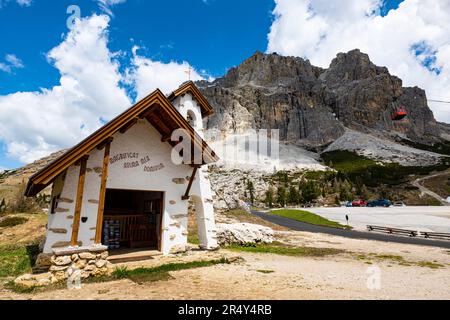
x=179 y=180
x=61 y=261
x=58 y=230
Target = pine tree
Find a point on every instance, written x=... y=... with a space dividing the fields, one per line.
x=251 y=191
x=281 y=196
x=364 y=193
x=337 y=201
x=293 y=196
x=309 y=191
x=385 y=193
x=346 y=191
x=269 y=197
x=285 y=178
x=330 y=164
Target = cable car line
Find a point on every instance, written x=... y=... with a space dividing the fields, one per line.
x=439 y=101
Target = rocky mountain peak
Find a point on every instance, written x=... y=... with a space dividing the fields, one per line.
x=351 y=66
x=270 y=69
x=312 y=106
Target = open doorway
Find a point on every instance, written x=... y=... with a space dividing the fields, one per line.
x=132 y=219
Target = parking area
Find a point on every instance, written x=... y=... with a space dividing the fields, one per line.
x=432 y=219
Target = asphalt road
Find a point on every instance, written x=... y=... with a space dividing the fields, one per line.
x=301 y=226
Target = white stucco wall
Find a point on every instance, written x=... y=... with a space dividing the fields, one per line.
x=186 y=104
x=149 y=168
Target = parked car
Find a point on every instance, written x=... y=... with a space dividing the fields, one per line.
x=359 y=203
x=399 y=204
x=379 y=203
x=348 y=204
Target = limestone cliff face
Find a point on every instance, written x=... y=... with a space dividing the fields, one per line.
x=312 y=106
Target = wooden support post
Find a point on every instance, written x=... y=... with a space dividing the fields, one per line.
x=101 y=198
x=191 y=180
x=79 y=201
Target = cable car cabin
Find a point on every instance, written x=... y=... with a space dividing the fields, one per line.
x=399 y=114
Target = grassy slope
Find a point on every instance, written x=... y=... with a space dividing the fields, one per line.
x=308 y=217
x=19 y=238
x=17 y=259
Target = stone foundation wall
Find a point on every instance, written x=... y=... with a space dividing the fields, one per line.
x=88 y=263
x=74 y=263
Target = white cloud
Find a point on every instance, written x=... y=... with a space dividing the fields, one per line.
x=319 y=29
x=14 y=61
x=11 y=62
x=105 y=5
x=147 y=75
x=22 y=3
x=35 y=124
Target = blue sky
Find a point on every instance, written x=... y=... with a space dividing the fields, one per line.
x=213 y=35
x=141 y=44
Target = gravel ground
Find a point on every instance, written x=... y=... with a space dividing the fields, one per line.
x=368 y=270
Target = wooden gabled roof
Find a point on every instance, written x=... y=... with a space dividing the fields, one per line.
x=156 y=108
x=190 y=87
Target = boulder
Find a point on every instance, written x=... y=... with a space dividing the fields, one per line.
x=243 y=234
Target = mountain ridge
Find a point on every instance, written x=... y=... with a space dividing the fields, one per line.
x=312 y=107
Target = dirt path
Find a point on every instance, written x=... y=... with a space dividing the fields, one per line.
x=425 y=190
x=267 y=276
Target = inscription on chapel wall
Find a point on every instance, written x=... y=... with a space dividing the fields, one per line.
x=131 y=160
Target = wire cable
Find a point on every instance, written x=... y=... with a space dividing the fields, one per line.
x=438 y=101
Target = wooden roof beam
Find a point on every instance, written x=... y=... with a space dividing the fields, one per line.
x=129 y=125
x=104 y=143
x=147 y=113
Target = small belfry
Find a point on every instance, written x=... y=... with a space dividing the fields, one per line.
x=120 y=188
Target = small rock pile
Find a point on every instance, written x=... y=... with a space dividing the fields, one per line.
x=243 y=234
x=87 y=262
